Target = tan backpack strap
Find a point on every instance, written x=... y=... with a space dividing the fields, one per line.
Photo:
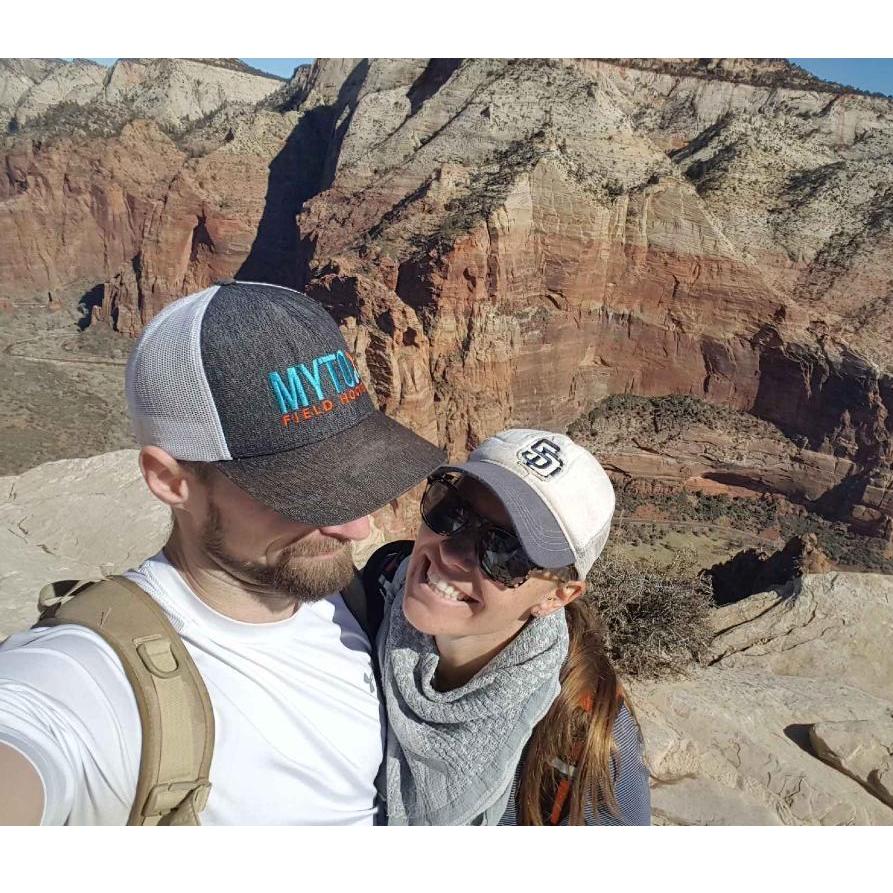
x=174 y=708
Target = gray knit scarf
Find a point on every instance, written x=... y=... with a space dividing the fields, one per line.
x=451 y=756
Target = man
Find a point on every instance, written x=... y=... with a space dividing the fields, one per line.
x=257 y=431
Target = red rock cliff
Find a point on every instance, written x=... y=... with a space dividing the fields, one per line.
x=508 y=242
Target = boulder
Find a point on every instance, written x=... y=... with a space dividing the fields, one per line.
x=755 y=570
x=834 y=626
x=862 y=749
x=731 y=747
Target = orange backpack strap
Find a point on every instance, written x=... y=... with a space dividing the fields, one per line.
x=175 y=711
x=568 y=770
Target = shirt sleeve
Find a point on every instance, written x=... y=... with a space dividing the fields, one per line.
x=631 y=777
x=66 y=706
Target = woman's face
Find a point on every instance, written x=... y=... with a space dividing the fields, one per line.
x=447 y=592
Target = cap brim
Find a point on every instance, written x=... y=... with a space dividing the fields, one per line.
x=339 y=479
x=537 y=528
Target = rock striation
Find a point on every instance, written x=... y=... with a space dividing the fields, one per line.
x=832 y=626
x=506 y=241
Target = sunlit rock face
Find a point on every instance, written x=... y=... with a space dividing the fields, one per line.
x=504 y=242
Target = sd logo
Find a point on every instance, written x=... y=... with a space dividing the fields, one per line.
x=544 y=457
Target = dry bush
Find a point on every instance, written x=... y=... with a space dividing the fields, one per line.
x=656 y=618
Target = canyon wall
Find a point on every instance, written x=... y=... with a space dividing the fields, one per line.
x=511 y=241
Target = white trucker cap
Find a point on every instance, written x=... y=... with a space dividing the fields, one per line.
x=558 y=496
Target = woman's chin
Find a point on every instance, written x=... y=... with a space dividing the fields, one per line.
x=420 y=616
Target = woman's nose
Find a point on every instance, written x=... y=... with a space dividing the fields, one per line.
x=458 y=551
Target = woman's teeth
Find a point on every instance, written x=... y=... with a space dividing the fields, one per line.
x=442 y=588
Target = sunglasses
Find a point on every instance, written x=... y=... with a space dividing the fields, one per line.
x=499 y=552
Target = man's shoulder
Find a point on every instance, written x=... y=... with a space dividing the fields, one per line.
x=69 y=665
x=45 y=651
x=68 y=639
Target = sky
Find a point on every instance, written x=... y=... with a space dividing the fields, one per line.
x=875 y=75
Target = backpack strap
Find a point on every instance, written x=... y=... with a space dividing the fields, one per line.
x=364 y=595
x=174 y=708
x=381 y=567
x=365 y=607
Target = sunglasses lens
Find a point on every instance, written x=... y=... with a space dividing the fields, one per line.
x=442 y=509
x=503 y=557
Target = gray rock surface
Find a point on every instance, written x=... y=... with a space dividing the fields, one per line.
x=862 y=749
x=17 y=77
x=732 y=747
x=832 y=626
x=73 y=519
x=173 y=92
x=78 y=82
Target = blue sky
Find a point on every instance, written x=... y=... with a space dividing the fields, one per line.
x=282 y=67
x=875 y=75
x=866 y=74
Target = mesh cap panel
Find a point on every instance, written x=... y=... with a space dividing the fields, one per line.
x=589 y=552
x=168 y=397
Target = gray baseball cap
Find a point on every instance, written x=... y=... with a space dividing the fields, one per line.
x=258 y=380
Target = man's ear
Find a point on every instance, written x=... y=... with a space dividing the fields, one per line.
x=168 y=481
x=559 y=597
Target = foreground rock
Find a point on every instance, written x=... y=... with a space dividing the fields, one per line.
x=732 y=747
x=862 y=749
x=831 y=626
x=74 y=519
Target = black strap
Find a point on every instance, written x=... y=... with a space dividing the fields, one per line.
x=364 y=595
x=363 y=607
x=381 y=566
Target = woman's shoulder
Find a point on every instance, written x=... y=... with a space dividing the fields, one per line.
x=631 y=776
x=626 y=732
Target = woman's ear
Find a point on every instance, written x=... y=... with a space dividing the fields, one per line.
x=559 y=597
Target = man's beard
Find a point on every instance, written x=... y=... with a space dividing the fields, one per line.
x=295 y=573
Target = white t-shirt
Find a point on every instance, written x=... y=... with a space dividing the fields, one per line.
x=299 y=726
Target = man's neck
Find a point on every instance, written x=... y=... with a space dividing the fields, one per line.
x=462 y=657
x=228 y=595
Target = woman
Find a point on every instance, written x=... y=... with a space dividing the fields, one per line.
x=502 y=706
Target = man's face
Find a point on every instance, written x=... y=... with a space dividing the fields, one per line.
x=260 y=547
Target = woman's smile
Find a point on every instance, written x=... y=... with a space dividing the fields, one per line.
x=434 y=585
